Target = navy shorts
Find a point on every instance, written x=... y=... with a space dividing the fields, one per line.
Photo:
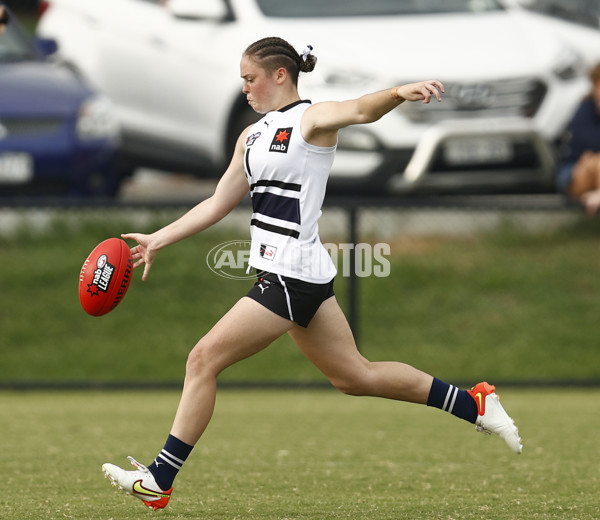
x=290 y=298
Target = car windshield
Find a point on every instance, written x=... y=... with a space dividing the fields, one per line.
x=320 y=8
x=585 y=12
x=15 y=46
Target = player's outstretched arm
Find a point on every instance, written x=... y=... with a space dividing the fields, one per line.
x=230 y=190
x=330 y=116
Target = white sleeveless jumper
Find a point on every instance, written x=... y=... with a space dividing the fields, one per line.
x=287 y=178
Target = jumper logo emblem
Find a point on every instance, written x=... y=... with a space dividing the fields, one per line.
x=250 y=140
x=267 y=251
x=281 y=141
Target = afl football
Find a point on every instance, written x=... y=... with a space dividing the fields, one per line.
x=105 y=276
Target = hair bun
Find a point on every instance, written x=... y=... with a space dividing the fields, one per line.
x=307 y=59
x=308 y=65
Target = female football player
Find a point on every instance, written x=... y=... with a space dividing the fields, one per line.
x=283 y=161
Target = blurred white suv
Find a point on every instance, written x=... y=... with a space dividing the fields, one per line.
x=171 y=67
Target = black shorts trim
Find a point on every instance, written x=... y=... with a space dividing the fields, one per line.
x=290 y=298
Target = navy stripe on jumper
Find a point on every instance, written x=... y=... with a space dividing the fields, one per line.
x=276 y=184
x=276 y=206
x=247 y=159
x=275 y=229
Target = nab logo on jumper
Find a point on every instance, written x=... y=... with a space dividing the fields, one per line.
x=281 y=141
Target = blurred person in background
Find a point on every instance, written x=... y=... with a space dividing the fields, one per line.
x=578 y=172
x=3 y=19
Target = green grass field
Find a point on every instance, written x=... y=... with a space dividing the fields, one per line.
x=508 y=305
x=302 y=455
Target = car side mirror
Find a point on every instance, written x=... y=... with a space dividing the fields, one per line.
x=198 y=10
x=47 y=46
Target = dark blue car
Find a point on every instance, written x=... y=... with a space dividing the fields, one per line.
x=57 y=135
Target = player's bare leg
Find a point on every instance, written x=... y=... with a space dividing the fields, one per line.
x=245 y=330
x=329 y=344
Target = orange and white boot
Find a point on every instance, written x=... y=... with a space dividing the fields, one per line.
x=492 y=418
x=139 y=483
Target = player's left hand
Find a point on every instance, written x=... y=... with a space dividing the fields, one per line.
x=422 y=91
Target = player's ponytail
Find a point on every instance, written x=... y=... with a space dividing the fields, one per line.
x=307 y=59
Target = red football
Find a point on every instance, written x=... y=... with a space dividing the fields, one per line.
x=105 y=276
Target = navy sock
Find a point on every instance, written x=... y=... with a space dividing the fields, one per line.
x=451 y=399
x=168 y=462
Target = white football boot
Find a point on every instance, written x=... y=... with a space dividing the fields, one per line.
x=492 y=418
x=139 y=483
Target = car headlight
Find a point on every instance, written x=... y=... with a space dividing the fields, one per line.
x=568 y=64
x=97 y=120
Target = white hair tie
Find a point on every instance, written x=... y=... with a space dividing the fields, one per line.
x=307 y=52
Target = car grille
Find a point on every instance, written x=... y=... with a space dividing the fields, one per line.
x=28 y=127
x=517 y=97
